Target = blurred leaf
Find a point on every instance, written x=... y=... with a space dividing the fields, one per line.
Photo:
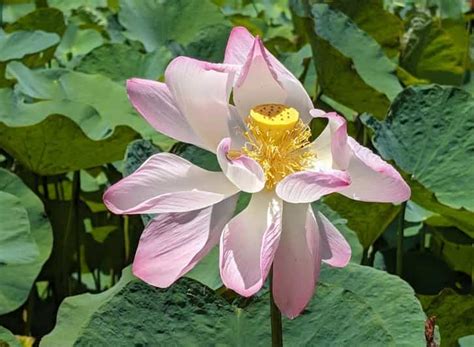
x=338 y=74
x=68 y=6
x=455 y=248
x=294 y=61
x=17 y=245
x=356 y=305
x=7 y=339
x=101 y=233
x=207 y=270
x=209 y=44
x=120 y=62
x=76 y=43
x=369 y=60
x=137 y=153
x=435 y=151
x=466 y=341
x=435 y=50
x=367 y=219
x=106 y=96
x=46 y=19
x=15 y=112
x=371 y=17
x=156 y=23
x=17 y=279
x=426 y=273
x=57 y=145
x=447 y=216
x=415 y=213
x=454 y=315
x=199 y=157
x=20 y=43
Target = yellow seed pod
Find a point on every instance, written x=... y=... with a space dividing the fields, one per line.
x=274 y=118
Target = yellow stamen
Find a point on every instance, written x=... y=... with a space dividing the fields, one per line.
x=278 y=140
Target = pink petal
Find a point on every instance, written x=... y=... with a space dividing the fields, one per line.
x=372 y=178
x=248 y=244
x=243 y=171
x=335 y=250
x=257 y=83
x=309 y=186
x=155 y=103
x=331 y=145
x=239 y=45
x=167 y=183
x=297 y=260
x=202 y=92
x=173 y=243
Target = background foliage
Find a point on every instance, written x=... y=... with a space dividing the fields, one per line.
x=401 y=73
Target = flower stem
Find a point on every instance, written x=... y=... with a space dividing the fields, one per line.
x=401 y=226
x=277 y=331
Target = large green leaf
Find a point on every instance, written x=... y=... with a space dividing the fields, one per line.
x=356 y=306
x=369 y=220
x=17 y=245
x=104 y=95
x=120 y=61
x=17 y=278
x=156 y=23
x=368 y=58
x=15 y=112
x=342 y=62
x=429 y=134
x=20 y=43
x=57 y=145
x=371 y=17
x=454 y=315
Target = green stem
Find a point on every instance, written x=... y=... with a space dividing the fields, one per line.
x=365 y=257
x=401 y=226
x=275 y=314
x=126 y=238
x=72 y=228
x=44 y=181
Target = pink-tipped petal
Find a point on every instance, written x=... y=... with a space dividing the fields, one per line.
x=155 y=103
x=257 y=83
x=167 y=183
x=173 y=243
x=242 y=171
x=297 y=260
x=201 y=91
x=240 y=44
x=372 y=178
x=335 y=250
x=248 y=244
x=308 y=186
x=331 y=145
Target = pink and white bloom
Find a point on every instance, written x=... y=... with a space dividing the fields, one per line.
x=253 y=114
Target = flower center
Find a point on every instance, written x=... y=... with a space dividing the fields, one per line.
x=278 y=140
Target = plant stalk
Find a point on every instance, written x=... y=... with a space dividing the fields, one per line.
x=401 y=226
x=275 y=314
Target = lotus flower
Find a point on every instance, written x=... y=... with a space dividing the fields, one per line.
x=253 y=114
